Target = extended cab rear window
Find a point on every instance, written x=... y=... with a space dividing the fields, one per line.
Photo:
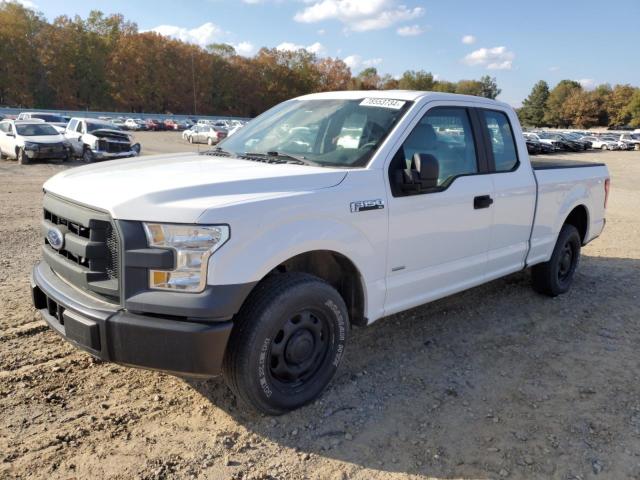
x=503 y=143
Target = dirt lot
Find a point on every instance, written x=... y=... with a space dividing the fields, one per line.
x=495 y=382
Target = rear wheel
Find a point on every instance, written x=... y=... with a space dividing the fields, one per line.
x=556 y=276
x=287 y=343
x=604 y=147
x=22 y=157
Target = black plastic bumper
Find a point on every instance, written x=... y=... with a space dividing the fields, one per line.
x=112 y=334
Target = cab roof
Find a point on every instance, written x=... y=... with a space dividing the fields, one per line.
x=407 y=95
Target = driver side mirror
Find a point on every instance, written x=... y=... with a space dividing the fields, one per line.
x=421 y=175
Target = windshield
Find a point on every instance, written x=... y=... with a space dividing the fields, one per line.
x=33 y=129
x=92 y=126
x=342 y=133
x=48 y=117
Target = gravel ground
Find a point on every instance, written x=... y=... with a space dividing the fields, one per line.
x=496 y=382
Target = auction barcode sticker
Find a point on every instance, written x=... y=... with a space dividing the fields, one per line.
x=383 y=102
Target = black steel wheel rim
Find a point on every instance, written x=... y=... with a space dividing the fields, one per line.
x=566 y=261
x=299 y=349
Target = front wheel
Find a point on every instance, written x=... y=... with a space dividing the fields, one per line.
x=556 y=276
x=287 y=342
x=87 y=156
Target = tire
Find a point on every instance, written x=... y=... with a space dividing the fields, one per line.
x=603 y=147
x=555 y=277
x=87 y=156
x=287 y=343
x=22 y=157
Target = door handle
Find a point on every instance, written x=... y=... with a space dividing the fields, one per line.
x=482 y=201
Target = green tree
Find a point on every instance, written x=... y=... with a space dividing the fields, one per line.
x=469 y=87
x=554 y=112
x=533 y=107
x=416 y=80
x=489 y=87
x=633 y=110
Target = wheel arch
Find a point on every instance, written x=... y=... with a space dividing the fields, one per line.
x=579 y=218
x=337 y=270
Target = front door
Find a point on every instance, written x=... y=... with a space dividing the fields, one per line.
x=439 y=238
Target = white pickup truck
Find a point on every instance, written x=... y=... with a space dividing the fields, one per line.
x=255 y=258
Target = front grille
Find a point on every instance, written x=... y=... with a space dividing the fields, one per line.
x=113 y=147
x=89 y=256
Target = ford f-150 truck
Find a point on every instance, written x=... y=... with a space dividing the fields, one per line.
x=255 y=258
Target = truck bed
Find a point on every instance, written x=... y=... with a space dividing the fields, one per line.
x=548 y=164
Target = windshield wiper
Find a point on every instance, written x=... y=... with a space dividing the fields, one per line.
x=218 y=152
x=281 y=157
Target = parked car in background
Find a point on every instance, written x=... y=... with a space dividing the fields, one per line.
x=155 y=125
x=120 y=123
x=131 y=124
x=27 y=140
x=188 y=132
x=57 y=121
x=542 y=138
x=631 y=139
x=601 y=143
x=93 y=139
x=207 y=134
x=576 y=137
x=616 y=139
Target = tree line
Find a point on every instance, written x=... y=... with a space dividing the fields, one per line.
x=568 y=104
x=104 y=63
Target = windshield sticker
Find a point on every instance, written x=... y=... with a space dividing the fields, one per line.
x=383 y=103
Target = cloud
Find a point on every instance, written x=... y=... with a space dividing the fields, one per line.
x=352 y=61
x=359 y=15
x=496 y=58
x=316 y=48
x=355 y=62
x=468 y=39
x=587 y=83
x=203 y=35
x=246 y=49
x=554 y=69
x=410 y=31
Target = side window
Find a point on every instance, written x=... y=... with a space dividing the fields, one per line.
x=79 y=127
x=4 y=127
x=502 y=141
x=9 y=128
x=72 y=125
x=446 y=134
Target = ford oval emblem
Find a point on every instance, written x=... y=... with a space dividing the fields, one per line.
x=55 y=238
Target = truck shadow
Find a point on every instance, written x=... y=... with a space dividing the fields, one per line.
x=495 y=381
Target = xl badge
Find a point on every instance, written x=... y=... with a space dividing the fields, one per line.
x=55 y=238
x=364 y=205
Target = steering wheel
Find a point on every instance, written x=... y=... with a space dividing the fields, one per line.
x=368 y=145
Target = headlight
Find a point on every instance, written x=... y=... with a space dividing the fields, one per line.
x=193 y=245
x=31 y=146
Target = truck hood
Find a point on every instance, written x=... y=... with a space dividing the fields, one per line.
x=180 y=187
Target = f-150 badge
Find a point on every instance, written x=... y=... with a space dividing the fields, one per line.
x=364 y=205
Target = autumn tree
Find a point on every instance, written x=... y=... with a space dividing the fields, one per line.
x=617 y=104
x=581 y=109
x=533 y=107
x=554 y=112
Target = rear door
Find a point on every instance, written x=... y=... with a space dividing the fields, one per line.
x=439 y=239
x=514 y=187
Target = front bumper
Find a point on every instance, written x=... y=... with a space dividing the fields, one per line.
x=45 y=154
x=112 y=334
x=102 y=155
